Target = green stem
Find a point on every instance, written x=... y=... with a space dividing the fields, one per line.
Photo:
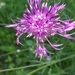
x=51 y=63
x=48 y=64
x=5 y=70
x=11 y=53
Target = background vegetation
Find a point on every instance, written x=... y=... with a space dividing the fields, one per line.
x=19 y=60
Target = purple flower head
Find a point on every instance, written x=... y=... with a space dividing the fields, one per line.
x=41 y=21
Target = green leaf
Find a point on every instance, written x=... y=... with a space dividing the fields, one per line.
x=9 y=59
x=19 y=72
x=8 y=48
x=29 y=42
x=11 y=65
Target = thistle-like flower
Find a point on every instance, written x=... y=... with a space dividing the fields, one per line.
x=41 y=21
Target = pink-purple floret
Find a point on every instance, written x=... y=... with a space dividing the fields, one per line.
x=41 y=21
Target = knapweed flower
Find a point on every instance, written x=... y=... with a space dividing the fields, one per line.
x=42 y=21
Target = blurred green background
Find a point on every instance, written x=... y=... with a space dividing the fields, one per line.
x=20 y=60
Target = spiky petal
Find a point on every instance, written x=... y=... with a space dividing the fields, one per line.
x=42 y=21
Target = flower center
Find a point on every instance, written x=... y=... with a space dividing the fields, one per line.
x=40 y=25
